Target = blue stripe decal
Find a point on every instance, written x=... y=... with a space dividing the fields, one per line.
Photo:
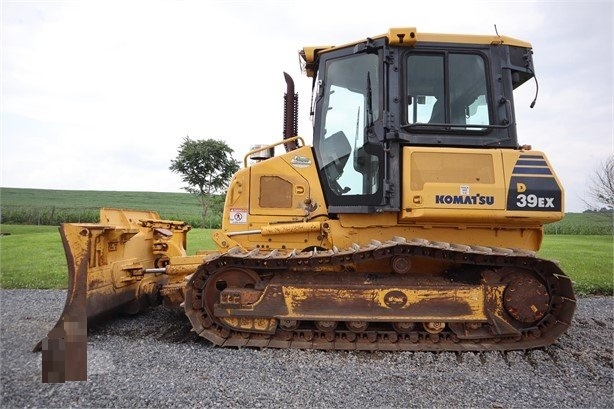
x=531 y=171
x=531 y=163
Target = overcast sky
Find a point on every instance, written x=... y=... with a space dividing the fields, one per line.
x=98 y=95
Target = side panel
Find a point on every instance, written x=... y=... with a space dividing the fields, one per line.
x=236 y=206
x=279 y=188
x=486 y=186
x=270 y=203
x=453 y=178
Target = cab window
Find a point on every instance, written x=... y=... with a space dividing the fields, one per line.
x=447 y=89
x=350 y=104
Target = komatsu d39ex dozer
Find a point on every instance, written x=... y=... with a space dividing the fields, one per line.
x=410 y=224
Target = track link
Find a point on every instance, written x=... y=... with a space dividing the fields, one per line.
x=555 y=320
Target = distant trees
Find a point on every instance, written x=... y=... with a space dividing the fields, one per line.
x=601 y=188
x=206 y=166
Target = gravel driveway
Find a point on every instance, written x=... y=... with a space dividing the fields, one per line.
x=153 y=360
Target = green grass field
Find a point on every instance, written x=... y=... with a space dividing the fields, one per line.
x=52 y=207
x=32 y=257
x=588 y=260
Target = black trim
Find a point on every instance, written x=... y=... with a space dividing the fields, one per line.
x=528 y=193
x=531 y=171
x=354 y=203
x=522 y=162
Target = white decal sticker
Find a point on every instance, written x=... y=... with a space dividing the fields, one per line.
x=464 y=190
x=533 y=201
x=300 y=162
x=238 y=216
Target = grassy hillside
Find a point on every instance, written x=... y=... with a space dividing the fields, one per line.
x=52 y=207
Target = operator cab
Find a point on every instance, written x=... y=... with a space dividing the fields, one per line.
x=373 y=97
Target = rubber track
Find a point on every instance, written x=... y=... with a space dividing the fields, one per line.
x=545 y=332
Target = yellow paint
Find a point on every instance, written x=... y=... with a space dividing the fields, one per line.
x=116 y=253
x=289 y=228
x=434 y=171
x=482 y=178
x=251 y=324
x=495 y=296
x=483 y=231
x=409 y=36
x=472 y=298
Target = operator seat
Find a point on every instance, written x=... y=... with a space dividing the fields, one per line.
x=334 y=153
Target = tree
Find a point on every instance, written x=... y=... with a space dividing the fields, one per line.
x=601 y=189
x=206 y=166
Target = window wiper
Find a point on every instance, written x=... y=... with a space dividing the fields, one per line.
x=369 y=116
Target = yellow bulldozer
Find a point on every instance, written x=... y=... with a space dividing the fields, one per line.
x=411 y=224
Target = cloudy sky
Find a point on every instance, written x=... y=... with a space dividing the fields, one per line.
x=97 y=95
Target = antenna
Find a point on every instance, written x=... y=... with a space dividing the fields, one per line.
x=498 y=35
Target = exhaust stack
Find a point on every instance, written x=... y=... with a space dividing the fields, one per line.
x=290 y=113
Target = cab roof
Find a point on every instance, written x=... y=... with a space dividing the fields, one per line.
x=408 y=37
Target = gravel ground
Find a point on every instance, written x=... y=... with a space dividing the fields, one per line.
x=153 y=360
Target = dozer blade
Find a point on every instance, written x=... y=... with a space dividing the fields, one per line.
x=65 y=347
x=106 y=273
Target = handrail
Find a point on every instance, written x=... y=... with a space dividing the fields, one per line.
x=263 y=148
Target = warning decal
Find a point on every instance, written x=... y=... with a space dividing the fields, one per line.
x=238 y=216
